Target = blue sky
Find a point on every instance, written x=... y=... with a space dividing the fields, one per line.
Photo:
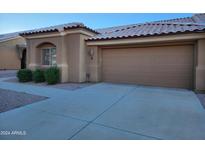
x=18 y=22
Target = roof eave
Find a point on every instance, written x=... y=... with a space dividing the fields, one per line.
x=37 y=32
x=83 y=27
x=56 y=30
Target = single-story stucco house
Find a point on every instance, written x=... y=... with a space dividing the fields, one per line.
x=12 y=51
x=168 y=53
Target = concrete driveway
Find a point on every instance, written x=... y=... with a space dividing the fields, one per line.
x=105 y=111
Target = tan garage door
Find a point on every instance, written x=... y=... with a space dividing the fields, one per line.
x=168 y=66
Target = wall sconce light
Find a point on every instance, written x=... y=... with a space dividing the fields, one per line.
x=91 y=53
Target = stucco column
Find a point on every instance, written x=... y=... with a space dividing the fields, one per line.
x=94 y=64
x=27 y=54
x=31 y=56
x=62 y=60
x=200 y=68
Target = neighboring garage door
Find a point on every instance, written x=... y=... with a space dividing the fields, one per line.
x=168 y=66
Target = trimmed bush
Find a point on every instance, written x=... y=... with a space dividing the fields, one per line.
x=38 y=76
x=24 y=75
x=52 y=75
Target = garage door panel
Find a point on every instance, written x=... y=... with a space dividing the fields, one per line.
x=170 y=66
x=168 y=81
x=176 y=59
x=147 y=68
x=147 y=76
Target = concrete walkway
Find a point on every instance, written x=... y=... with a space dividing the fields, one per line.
x=106 y=111
x=7 y=73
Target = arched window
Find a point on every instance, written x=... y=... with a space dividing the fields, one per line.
x=48 y=54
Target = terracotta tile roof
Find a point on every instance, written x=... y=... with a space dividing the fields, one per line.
x=8 y=36
x=57 y=28
x=149 y=29
x=196 y=18
x=196 y=23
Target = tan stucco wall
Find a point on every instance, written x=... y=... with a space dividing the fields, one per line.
x=200 y=67
x=75 y=62
x=95 y=64
x=9 y=58
x=71 y=54
x=76 y=52
x=34 y=57
x=83 y=70
x=34 y=50
x=72 y=43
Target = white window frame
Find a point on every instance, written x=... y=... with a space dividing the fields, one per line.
x=50 y=56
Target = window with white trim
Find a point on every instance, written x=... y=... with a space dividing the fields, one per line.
x=49 y=56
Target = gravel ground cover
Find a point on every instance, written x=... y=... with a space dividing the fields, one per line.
x=11 y=99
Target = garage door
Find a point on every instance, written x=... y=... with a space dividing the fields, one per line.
x=168 y=66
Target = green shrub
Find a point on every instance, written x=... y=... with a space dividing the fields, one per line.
x=52 y=75
x=24 y=75
x=38 y=76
